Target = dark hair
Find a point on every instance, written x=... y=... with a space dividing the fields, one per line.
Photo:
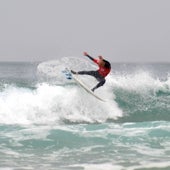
x=107 y=64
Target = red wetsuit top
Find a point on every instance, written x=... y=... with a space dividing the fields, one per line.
x=103 y=70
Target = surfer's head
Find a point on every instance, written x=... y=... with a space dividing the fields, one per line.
x=100 y=61
x=100 y=57
x=104 y=63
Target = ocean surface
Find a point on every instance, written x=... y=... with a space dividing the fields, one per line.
x=50 y=123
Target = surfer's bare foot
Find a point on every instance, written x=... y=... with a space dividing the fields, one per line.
x=73 y=72
x=93 y=89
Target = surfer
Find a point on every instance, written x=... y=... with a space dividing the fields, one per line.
x=100 y=74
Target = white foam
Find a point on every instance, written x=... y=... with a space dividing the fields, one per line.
x=51 y=104
x=103 y=166
x=140 y=81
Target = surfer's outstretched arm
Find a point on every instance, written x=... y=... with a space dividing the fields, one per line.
x=87 y=55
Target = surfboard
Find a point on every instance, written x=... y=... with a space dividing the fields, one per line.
x=69 y=75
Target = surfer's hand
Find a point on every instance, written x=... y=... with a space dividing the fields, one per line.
x=85 y=53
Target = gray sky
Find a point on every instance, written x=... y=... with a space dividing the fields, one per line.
x=120 y=30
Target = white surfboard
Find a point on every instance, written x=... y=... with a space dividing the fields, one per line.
x=82 y=84
x=78 y=81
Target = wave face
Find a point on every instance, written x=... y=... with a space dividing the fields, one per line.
x=142 y=97
x=47 y=121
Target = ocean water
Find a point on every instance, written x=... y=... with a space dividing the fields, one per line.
x=50 y=123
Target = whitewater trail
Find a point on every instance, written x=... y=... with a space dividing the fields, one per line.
x=53 y=104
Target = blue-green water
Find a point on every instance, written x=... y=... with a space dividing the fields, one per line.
x=48 y=122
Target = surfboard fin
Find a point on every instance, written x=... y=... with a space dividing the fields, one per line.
x=67 y=74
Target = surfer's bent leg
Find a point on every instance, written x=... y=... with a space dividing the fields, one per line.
x=101 y=83
x=96 y=75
